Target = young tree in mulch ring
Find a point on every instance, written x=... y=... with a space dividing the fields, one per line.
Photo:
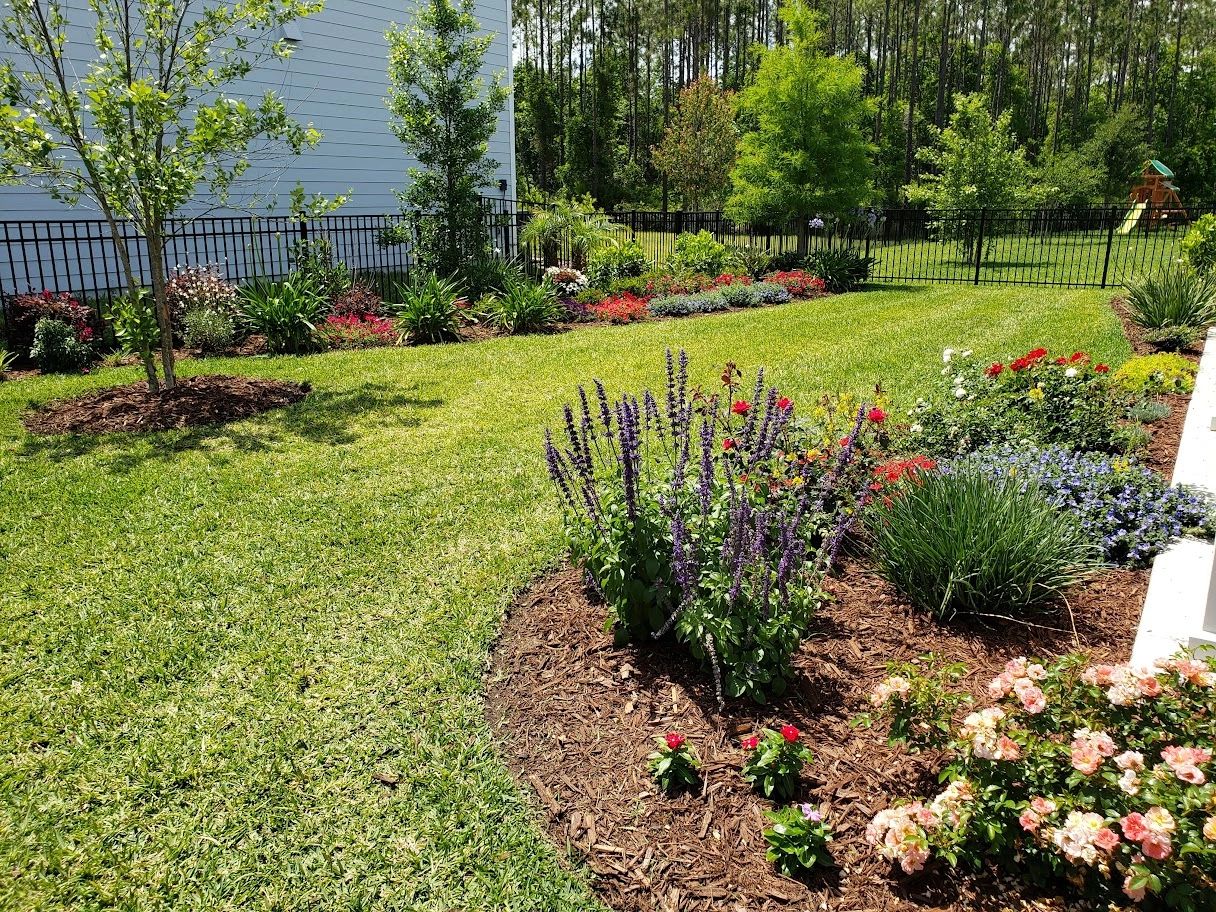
x=798 y=840
x=674 y=765
x=775 y=761
x=150 y=125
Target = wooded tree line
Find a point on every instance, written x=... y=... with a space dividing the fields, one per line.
x=1089 y=85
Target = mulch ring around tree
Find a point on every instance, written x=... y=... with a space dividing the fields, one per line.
x=577 y=717
x=194 y=401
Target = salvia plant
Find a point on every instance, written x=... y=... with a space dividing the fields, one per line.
x=701 y=519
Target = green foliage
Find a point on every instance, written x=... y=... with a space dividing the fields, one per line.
x=444 y=114
x=1173 y=338
x=57 y=349
x=683 y=305
x=806 y=153
x=751 y=260
x=538 y=126
x=208 y=330
x=1199 y=245
x=963 y=543
x=797 y=840
x=7 y=360
x=285 y=313
x=917 y=699
x=571 y=223
x=699 y=253
x=1151 y=375
x=1147 y=411
x=1174 y=295
x=697 y=151
x=592 y=159
x=314 y=262
x=612 y=262
x=133 y=317
x=522 y=306
x=775 y=762
x=738 y=294
x=674 y=766
x=841 y=268
x=426 y=309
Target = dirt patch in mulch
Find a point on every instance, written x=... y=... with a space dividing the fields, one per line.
x=205 y=400
x=578 y=717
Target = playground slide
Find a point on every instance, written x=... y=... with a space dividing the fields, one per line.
x=1132 y=218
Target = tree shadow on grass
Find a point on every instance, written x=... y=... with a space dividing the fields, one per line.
x=326 y=417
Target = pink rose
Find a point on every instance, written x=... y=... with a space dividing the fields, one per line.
x=1135 y=827
x=1157 y=846
x=1106 y=839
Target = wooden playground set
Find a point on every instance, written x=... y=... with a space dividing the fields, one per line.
x=1155 y=201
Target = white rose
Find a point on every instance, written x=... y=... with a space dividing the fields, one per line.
x=1071 y=372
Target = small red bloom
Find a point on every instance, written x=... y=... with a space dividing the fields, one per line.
x=675 y=741
x=790 y=733
x=785 y=403
x=728 y=443
x=750 y=743
x=1036 y=354
x=877 y=415
x=1101 y=368
x=1078 y=356
x=1019 y=365
x=1061 y=360
x=741 y=407
x=994 y=369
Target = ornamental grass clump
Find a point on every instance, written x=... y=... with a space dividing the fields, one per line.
x=1132 y=512
x=1098 y=776
x=1174 y=295
x=699 y=517
x=966 y=543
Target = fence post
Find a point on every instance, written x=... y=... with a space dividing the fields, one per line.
x=1110 y=240
x=979 y=246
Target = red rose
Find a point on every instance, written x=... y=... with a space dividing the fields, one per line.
x=1078 y=356
x=674 y=741
x=1101 y=368
x=1061 y=360
x=877 y=415
x=749 y=744
x=994 y=369
x=728 y=443
x=741 y=407
x=789 y=733
x=785 y=403
x=1019 y=365
x=1036 y=354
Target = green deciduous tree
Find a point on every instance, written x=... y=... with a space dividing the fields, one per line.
x=806 y=153
x=444 y=113
x=149 y=124
x=699 y=146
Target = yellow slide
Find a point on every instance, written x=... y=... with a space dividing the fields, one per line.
x=1132 y=218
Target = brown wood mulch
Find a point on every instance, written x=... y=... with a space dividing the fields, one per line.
x=204 y=400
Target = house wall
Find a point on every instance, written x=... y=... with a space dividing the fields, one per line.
x=337 y=80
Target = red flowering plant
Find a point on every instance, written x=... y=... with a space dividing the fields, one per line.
x=675 y=764
x=798 y=283
x=1037 y=398
x=357 y=331
x=622 y=308
x=25 y=310
x=774 y=761
x=1095 y=775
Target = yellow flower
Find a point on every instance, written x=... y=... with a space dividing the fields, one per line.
x=1036 y=394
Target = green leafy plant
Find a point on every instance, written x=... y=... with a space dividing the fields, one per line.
x=1147 y=411
x=697 y=150
x=683 y=305
x=522 y=306
x=699 y=253
x=798 y=840
x=841 y=268
x=774 y=761
x=917 y=699
x=7 y=360
x=426 y=309
x=57 y=349
x=286 y=313
x=133 y=318
x=1173 y=338
x=208 y=330
x=610 y=263
x=738 y=294
x=1199 y=245
x=572 y=224
x=314 y=261
x=751 y=260
x=965 y=543
x=1151 y=375
x=1174 y=295
x=674 y=765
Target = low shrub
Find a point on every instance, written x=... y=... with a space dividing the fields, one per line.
x=765 y=293
x=615 y=262
x=1174 y=295
x=751 y=260
x=1096 y=776
x=788 y=261
x=26 y=310
x=638 y=286
x=523 y=306
x=684 y=305
x=798 y=283
x=622 y=308
x=1199 y=245
x=426 y=309
x=966 y=543
x=357 y=331
x=1035 y=398
x=841 y=268
x=198 y=288
x=1173 y=338
x=359 y=300
x=1153 y=375
x=317 y=267
x=693 y=525
x=590 y=296
x=56 y=347
x=665 y=283
x=797 y=840
x=208 y=330
x=286 y=313
x=1129 y=510
x=738 y=294
x=1147 y=411
x=774 y=762
x=698 y=253
x=566 y=280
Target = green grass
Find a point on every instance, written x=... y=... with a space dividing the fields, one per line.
x=213 y=639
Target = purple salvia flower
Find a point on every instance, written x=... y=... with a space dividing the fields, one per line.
x=705 y=486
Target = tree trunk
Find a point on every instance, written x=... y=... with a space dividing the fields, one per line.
x=134 y=288
x=156 y=260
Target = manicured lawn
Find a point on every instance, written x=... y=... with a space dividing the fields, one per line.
x=213 y=640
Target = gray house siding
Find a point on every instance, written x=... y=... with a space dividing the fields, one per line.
x=335 y=79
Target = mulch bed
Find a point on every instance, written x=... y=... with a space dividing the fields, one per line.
x=194 y=401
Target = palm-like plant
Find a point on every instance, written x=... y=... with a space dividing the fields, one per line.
x=569 y=223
